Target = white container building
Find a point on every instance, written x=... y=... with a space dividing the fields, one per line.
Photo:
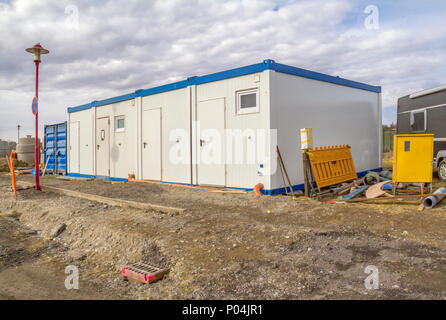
x=222 y=129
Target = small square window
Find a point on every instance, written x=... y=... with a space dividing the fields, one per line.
x=248 y=101
x=120 y=124
x=418 y=121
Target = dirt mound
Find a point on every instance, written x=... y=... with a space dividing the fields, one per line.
x=232 y=246
x=96 y=233
x=4 y=165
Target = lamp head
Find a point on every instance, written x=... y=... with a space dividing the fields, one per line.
x=37 y=50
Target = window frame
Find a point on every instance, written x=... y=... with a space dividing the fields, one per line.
x=412 y=116
x=250 y=110
x=117 y=118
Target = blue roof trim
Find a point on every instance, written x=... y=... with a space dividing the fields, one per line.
x=103 y=102
x=80 y=108
x=237 y=72
x=323 y=77
x=232 y=73
x=115 y=99
x=164 y=88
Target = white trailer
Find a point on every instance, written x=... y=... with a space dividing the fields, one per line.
x=222 y=129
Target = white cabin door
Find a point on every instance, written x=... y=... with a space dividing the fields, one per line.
x=103 y=147
x=151 y=144
x=211 y=169
x=74 y=147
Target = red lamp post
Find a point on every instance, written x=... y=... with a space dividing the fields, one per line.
x=37 y=50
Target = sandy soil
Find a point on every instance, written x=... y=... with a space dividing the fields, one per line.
x=4 y=164
x=224 y=246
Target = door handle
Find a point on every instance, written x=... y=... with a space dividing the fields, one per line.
x=201 y=142
x=98 y=146
x=144 y=144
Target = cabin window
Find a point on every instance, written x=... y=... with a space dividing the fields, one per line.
x=418 y=121
x=248 y=101
x=120 y=124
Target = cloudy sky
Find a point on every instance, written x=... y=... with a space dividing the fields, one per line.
x=102 y=49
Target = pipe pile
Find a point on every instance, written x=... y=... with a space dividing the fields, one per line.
x=433 y=200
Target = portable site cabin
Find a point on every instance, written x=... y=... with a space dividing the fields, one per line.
x=222 y=129
x=424 y=112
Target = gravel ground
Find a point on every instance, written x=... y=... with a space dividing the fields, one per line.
x=224 y=246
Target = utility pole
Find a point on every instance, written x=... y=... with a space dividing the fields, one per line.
x=18 y=133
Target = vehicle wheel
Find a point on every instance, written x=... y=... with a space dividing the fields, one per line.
x=442 y=170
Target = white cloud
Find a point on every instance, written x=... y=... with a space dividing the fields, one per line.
x=120 y=46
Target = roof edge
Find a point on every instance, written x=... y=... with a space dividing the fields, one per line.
x=267 y=64
x=324 y=77
x=428 y=91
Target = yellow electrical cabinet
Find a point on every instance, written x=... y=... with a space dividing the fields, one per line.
x=412 y=158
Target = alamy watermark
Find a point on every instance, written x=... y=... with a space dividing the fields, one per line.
x=372 y=281
x=225 y=146
x=72 y=17
x=72 y=280
x=371 y=22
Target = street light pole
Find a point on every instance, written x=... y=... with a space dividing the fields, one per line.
x=37 y=50
x=37 y=149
